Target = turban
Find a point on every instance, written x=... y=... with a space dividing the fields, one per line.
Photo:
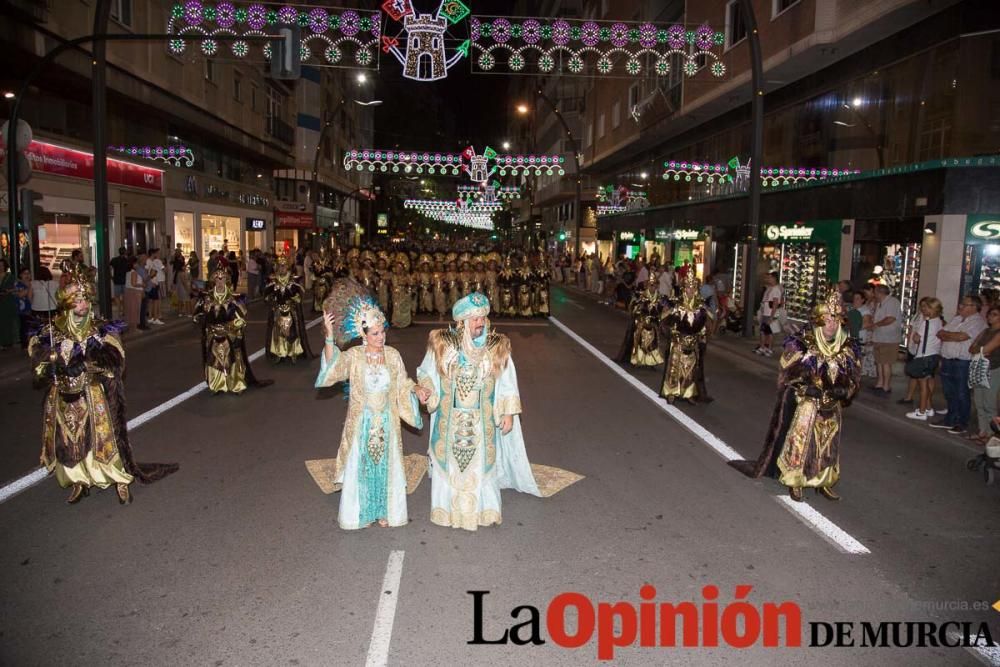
x=474 y=305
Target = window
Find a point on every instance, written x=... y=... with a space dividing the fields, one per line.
x=275 y=103
x=736 y=27
x=935 y=139
x=600 y=126
x=254 y=91
x=589 y=136
x=781 y=5
x=209 y=70
x=237 y=87
x=616 y=115
x=121 y=12
x=633 y=96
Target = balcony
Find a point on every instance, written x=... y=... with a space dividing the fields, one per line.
x=280 y=130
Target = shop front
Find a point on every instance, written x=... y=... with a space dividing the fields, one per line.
x=209 y=214
x=806 y=257
x=629 y=243
x=63 y=177
x=294 y=222
x=981 y=260
x=888 y=252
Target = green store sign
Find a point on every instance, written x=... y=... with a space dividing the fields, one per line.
x=820 y=232
x=981 y=229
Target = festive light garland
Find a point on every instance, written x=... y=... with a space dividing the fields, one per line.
x=174 y=155
x=618 y=199
x=326 y=31
x=589 y=48
x=770 y=176
x=474 y=220
x=608 y=209
x=477 y=166
x=444 y=206
x=491 y=193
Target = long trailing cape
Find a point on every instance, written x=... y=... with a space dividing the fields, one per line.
x=796 y=369
x=687 y=328
x=240 y=300
x=108 y=357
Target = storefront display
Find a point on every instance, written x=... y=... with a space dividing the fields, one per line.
x=887 y=252
x=981 y=265
x=806 y=257
x=629 y=244
x=739 y=268
x=219 y=232
x=184 y=231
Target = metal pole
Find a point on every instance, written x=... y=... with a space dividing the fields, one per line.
x=315 y=170
x=756 y=152
x=100 y=122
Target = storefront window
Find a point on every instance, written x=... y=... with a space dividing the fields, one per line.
x=184 y=231
x=286 y=240
x=219 y=232
x=59 y=235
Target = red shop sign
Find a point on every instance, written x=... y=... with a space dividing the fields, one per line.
x=294 y=220
x=51 y=159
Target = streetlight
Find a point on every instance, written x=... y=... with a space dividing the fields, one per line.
x=522 y=109
x=644 y=175
x=8 y=95
x=506 y=145
x=362 y=77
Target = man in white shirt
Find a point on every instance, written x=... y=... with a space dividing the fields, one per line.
x=956 y=338
x=774 y=299
x=641 y=274
x=887 y=334
x=157 y=276
x=253 y=275
x=666 y=283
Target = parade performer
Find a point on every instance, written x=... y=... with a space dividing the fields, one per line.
x=476 y=446
x=223 y=317
x=492 y=287
x=440 y=286
x=820 y=374
x=80 y=359
x=684 y=327
x=321 y=281
x=402 y=303
x=425 y=283
x=641 y=346
x=286 y=325
x=540 y=286
x=507 y=283
x=525 y=290
x=369 y=462
x=452 y=279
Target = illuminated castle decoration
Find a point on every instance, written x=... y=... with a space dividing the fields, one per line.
x=425 y=58
x=478 y=167
x=742 y=181
x=489 y=193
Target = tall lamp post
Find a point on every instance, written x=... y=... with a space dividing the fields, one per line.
x=578 y=213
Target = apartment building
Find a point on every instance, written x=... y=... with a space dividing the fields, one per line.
x=245 y=134
x=903 y=91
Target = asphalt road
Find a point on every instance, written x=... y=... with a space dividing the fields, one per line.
x=237 y=559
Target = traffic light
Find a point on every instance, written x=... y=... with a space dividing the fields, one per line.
x=562 y=235
x=286 y=53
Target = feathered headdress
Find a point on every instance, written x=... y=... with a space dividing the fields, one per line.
x=690 y=280
x=79 y=283
x=362 y=312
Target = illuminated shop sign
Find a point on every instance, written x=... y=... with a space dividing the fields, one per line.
x=626 y=236
x=984 y=228
x=788 y=232
x=256 y=224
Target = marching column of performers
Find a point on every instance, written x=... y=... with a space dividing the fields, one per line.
x=406 y=285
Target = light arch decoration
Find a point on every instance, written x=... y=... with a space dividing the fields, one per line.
x=176 y=156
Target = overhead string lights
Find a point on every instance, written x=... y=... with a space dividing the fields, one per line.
x=445 y=206
x=330 y=36
x=734 y=171
x=479 y=167
x=173 y=155
x=618 y=199
x=589 y=48
x=490 y=192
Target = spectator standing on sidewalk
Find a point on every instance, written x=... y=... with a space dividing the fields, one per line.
x=140 y=269
x=641 y=274
x=213 y=261
x=987 y=344
x=666 y=282
x=253 y=275
x=774 y=298
x=925 y=348
x=887 y=333
x=234 y=269
x=43 y=296
x=194 y=268
x=956 y=338
x=156 y=277
x=8 y=307
x=177 y=267
x=119 y=267
x=133 y=297
x=22 y=293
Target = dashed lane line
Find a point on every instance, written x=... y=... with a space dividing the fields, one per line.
x=385 y=613
x=814 y=519
x=34 y=477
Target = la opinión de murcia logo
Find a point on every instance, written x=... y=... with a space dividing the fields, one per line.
x=708 y=623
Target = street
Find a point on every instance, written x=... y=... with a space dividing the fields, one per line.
x=237 y=558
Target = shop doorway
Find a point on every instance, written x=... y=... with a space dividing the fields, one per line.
x=137 y=235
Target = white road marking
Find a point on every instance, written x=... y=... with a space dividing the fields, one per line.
x=385 y=614
x=826 y=528
x=34 y=477
x=817 y=521
x=986 y=653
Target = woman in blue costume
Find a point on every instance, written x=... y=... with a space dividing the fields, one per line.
x=369 y=462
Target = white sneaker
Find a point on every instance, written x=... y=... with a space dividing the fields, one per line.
x=941 y=412
x=156 y=321
x=919 y=415
x=758 y=350
x=767 y=352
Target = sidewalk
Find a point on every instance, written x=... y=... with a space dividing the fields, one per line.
x=886 y=407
